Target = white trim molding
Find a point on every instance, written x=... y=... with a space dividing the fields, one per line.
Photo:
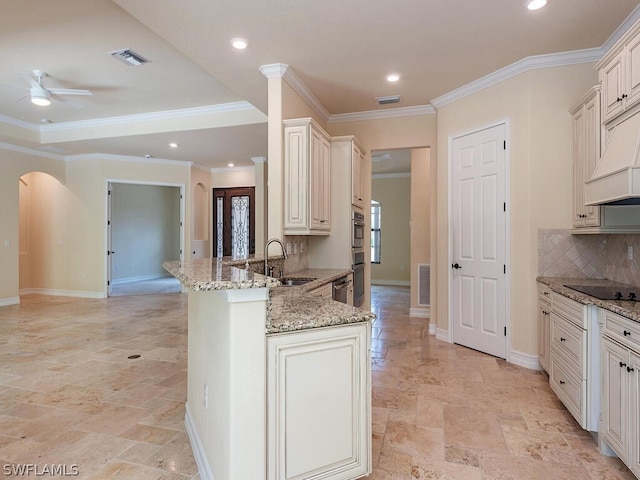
x=9 y=301
x=382 y=113
x=398 y=283
x=524 y=360
x=421 y=312
x=204 y=469
x=442 y=335
x=590 y=55
x=54 y=292
x=432 y=328
x=30 y=151
x=283 y=70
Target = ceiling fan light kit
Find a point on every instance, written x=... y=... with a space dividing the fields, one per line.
x=40 y=97
x=535 y=4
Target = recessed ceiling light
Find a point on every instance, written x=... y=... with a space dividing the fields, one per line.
x=230 y=164
x=536 y=4
x=173 y=145
x=393 y=77
x=239 y=43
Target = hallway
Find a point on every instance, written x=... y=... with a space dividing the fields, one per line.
x=71 y=394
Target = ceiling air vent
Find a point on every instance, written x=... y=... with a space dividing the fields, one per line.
x=129 y=57
x=386 y=100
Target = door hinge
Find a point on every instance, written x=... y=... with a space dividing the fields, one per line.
x=108 y=282
x=504 y=207
x=108 y=222
x=504 y=269
x=505 y=331
x=180 y=196
x=180 y=252
x=504 y=145
x=108 y=252
x=180 y=223
x=108 y=192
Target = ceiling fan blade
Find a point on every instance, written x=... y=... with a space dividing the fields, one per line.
x=67 y=102
x=22 y=97
x=29 y=78
x=68 y=91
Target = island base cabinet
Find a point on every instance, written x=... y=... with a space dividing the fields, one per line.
x=319 y=404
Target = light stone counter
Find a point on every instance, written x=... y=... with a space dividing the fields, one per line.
x=628 y=309
x=289 y=308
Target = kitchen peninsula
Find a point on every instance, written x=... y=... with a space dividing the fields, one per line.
x=279 y=380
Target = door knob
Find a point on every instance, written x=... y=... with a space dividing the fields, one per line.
x=456 y=266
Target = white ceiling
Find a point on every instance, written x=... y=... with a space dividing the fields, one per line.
x=340 y=50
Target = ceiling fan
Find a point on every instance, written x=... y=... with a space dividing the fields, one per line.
x=41 y=95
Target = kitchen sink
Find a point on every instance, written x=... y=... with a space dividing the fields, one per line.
x=293 y=282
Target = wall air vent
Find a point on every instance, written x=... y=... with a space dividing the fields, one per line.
x=129 y=57
x=386 y=100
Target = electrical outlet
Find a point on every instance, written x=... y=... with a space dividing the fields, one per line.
x=206 y=395
x=629 y=252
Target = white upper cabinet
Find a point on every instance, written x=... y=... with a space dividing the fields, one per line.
x=619 y=72
x=357 y=158
x=307 y=178
x=586 y=153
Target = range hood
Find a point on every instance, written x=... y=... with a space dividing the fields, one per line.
x=616 y=179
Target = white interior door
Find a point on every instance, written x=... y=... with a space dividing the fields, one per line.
x=478 y=236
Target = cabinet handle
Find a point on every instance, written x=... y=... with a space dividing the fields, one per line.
x=545 y=293
x=618 y=99
x=622 y=365
x=562 y=339
x=624 y=95
x=561 y=382
x=626 y=334
x=629 y=369
x=545 y=312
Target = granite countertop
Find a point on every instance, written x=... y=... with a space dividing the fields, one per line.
x=216 y=274
x=290 y=308
x=630 y=310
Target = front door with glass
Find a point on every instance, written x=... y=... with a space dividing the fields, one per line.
x=233 y=222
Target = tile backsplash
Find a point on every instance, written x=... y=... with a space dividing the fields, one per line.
x=561 y=254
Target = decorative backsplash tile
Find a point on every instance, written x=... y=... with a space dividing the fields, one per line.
x=619 y=267
x=561 y=254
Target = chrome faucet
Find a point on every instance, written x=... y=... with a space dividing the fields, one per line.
x=269 y=270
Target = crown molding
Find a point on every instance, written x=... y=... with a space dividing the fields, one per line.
x=202 y=167
x=30 y=151
x=19 y=123
x=259 y=159
x=150 y=116
x=125 y=158
x=619 y=32
x=382 y=113
x=590 y=55
x=233 y=169
x=283 y=70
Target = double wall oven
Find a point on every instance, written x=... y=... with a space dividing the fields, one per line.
x=357 y=257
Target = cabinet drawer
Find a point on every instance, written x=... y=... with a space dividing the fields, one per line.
x=569 y=309
x=569 y=388
x=324 y=291
x=569 y=342
x=544 y=293
x=622 y=329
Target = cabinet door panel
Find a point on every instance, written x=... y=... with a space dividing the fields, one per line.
x=634 y=377
x=612 y=78
x=633 y=70
x=615 y=417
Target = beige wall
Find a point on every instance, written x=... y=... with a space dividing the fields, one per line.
x=536 y=105
x=394 y=196
x=420 y=222
x=76 y=240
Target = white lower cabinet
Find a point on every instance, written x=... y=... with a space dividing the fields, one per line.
x=621 y=385
x=544 y=326
x=574 y=373
x=318 y=402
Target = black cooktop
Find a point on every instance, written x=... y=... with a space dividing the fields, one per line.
x=629 y=292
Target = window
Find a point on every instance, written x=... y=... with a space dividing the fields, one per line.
x=376 y=213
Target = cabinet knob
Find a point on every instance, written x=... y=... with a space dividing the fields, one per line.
x=629 y=369
x=622 y=365
x=562 y=339
x=624 y=95
x=561 y=382
x=545 y=312
x=626 y=334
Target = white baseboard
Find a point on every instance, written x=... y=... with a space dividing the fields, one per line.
x=524 y=360
x=196 y=446
x=432 y=328
x=61 y=293
x=442 y=335
x=422 y=312
x=143 y=278
x=397 y=283
x=9 y=301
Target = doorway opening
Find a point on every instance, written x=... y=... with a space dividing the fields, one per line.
x=144 y=230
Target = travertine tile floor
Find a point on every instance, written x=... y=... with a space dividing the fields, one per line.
x=70 y=394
